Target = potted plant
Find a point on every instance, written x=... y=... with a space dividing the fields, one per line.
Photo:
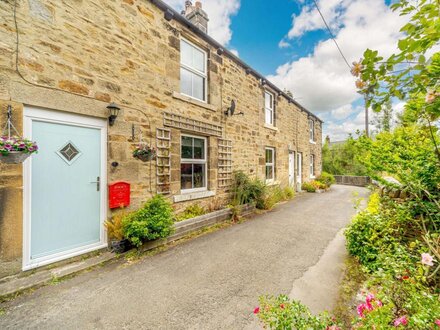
x=144 y=152
x=118 y=243
x=15 y=150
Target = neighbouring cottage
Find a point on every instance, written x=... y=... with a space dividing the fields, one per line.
x=64 y=64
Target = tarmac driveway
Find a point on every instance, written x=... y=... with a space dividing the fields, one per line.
x=212 y=282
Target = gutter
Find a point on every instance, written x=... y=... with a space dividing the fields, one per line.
x=181 y=19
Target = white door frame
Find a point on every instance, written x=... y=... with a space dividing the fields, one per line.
x=37 y=114
x=292 y=168
x=299 y=161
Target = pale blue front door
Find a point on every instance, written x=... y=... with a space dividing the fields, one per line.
x=65 y=196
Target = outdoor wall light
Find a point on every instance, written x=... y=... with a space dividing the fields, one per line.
x=113 y=111
x=263 y=82
x=248 y=70
x=220 y=51
x=169 y=15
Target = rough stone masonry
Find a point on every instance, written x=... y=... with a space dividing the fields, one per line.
x=78 y=56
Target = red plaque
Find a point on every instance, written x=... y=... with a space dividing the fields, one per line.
x=119 y=194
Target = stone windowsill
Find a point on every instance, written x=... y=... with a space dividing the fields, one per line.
x=312 y=142
x=273 y=128
x=188 y=99
x=192 y=196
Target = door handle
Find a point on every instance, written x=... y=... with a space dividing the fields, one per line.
x=98 y=183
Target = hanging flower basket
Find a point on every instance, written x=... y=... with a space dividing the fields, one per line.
x=144 y=153
x=15 y=150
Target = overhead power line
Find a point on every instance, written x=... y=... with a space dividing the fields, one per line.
x=331 y=34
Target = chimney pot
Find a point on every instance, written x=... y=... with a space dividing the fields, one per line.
x=198 y=4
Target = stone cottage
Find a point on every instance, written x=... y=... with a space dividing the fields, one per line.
x=90 y=80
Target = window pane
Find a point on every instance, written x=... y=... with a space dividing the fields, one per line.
x=198 y=60
x=199 y=149
x=198 y=87
x=186 y=176
x=185 y=53
x=199 y=176
x=185 y=82
x=269 y=155
x=269 y=172
x=268 y=100
x=187 y=150
x=269 y=117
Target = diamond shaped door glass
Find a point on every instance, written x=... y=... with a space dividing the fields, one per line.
x=69 y=153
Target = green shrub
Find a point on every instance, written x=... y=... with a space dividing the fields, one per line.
x=309 y=187
x=245 y=190
x=289 y=193
x=327 y=179
x=281 y=313
x=190 y=212
x=153 y=221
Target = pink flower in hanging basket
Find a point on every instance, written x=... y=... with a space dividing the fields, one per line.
x=16 y=144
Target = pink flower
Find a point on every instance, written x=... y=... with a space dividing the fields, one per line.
x=256 y=310
x=401 y=321
x=437 y=322
x=361 y=309
x=427 y=259
x=333 y=327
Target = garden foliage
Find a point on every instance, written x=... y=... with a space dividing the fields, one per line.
x=154 y=220
x=254 y=191
x=190 y=212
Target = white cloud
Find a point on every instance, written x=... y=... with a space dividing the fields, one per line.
x=322 y=79
x=343 y=112
x=340 y=131
x=283 y=44
x=235 y=52
x=219 y=13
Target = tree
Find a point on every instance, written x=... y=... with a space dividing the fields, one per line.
x=384 y=119
x=411 y=75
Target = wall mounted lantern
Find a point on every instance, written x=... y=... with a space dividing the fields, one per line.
x=220 y=51
x=113 y=111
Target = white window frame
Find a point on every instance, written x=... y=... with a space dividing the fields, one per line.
x=204 y=75
x=272 y=164
x=312 y=130
x=195 y=161
x=270 y=109
x=312 y=166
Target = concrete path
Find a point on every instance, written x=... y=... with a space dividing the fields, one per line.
x=212 y=282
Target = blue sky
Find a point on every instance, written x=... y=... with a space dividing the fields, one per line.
x=286 y=40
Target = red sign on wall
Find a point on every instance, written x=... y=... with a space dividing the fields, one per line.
x=119 y=194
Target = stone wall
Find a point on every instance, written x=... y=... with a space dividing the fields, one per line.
x=78 y=56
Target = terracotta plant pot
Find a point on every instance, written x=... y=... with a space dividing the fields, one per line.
x=14 y=157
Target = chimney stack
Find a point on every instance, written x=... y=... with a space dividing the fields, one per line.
x=196 y=15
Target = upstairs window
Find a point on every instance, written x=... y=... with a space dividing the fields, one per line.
x=193 y=71
x=268 y=108
x=193 y=164
x=270 y=164
x=312 y=130
x=312 y=166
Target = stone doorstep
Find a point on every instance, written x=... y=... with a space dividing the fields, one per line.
x=18 y=283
